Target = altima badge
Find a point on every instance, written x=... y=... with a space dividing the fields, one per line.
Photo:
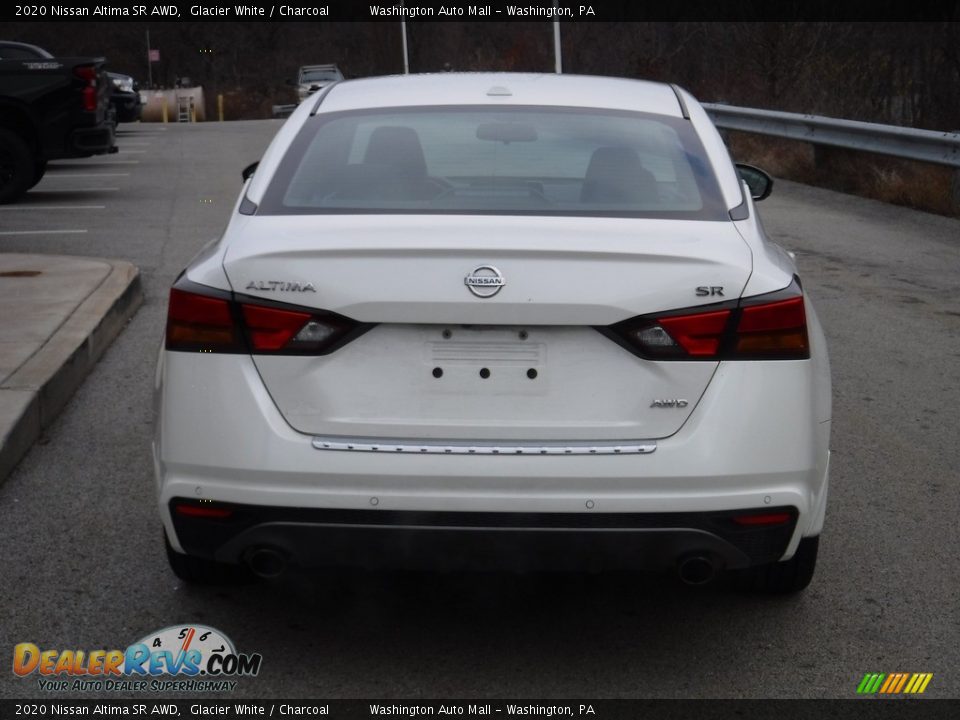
x=669 y=403
x=281 y=285
x=485 y=281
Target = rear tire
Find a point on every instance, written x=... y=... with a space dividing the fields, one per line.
x=781 y=578
x=200 y=571
x=17 y=166
x=39 y=169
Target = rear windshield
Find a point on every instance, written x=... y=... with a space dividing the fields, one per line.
x=506 y=160
x=317 y=75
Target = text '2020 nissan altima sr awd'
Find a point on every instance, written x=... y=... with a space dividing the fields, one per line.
x=495 y=320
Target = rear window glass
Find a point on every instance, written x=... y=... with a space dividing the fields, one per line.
x=319 y=75
x=515 y=160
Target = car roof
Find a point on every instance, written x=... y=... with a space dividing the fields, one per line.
x=13 y=45
x=503 y=89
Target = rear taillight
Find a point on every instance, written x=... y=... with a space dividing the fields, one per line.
x=202 y=319
x=777 y=329
x=698 y=335
x=270 y=328
x=201 y=323
x=764 y=327
x=88 y=73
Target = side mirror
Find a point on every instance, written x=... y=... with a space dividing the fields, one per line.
x=760 y=184
x=249 y=170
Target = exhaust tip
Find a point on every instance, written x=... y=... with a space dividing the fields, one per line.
x=266 y=562
x=697 y=569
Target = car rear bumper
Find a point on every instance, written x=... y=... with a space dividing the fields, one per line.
x=311 y=537
x=128 y=106
x=92 y=141
x=220 y=438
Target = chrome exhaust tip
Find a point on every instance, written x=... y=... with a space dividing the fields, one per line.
x=266 y=562
x=696 y=569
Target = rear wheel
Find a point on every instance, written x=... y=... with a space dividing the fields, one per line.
x=38 y=172
x=17 y=166
x=782 y=578
x=200 y=571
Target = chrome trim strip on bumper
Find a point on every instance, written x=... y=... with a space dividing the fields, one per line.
x=640 y=447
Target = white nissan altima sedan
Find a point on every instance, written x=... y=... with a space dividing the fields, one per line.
x=475 y=320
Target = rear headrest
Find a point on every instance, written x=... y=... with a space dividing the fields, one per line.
x=396 y=147
x=616 y=175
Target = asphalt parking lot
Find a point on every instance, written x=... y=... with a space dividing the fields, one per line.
x=82 y=562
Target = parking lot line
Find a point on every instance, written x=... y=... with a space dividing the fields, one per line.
x=76 y=190
x=132 y=152
x=85 y=163
x=85 y=175
x=42 y=232
x=52 y=207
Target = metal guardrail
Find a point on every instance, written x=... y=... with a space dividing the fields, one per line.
x=942 y=148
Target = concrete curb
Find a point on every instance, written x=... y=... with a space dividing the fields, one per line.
x=34 y=395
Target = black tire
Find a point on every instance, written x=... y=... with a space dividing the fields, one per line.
x=781 y=578
x=39 y=169
x=17 y=166
x=200 y=571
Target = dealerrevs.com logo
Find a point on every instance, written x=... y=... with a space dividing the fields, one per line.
x=201 y=658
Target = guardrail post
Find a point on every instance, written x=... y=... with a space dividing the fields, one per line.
x=164 y=105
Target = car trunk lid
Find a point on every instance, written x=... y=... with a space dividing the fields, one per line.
x=526 y=363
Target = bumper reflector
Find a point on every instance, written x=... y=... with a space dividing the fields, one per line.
x=210 y=511
x=766 y=519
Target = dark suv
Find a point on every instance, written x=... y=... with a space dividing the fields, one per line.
x=125 y=97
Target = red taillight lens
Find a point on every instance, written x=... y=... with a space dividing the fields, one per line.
x=270 y=328
x=764 y=327
x=698 y=334
x=88 y=73
x=777 y=329
x=200 y=323
x=694 y=336
x=765 y=519
x=202 y=319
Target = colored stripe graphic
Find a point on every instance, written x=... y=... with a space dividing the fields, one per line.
x=870 y=683
x=894 y=683
x=918 y=683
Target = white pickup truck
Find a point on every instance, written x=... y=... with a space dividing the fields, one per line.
x=311 y=78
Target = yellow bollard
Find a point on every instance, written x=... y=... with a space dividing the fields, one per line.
x=193 y=113
x=164 y=109
x=220 y=106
